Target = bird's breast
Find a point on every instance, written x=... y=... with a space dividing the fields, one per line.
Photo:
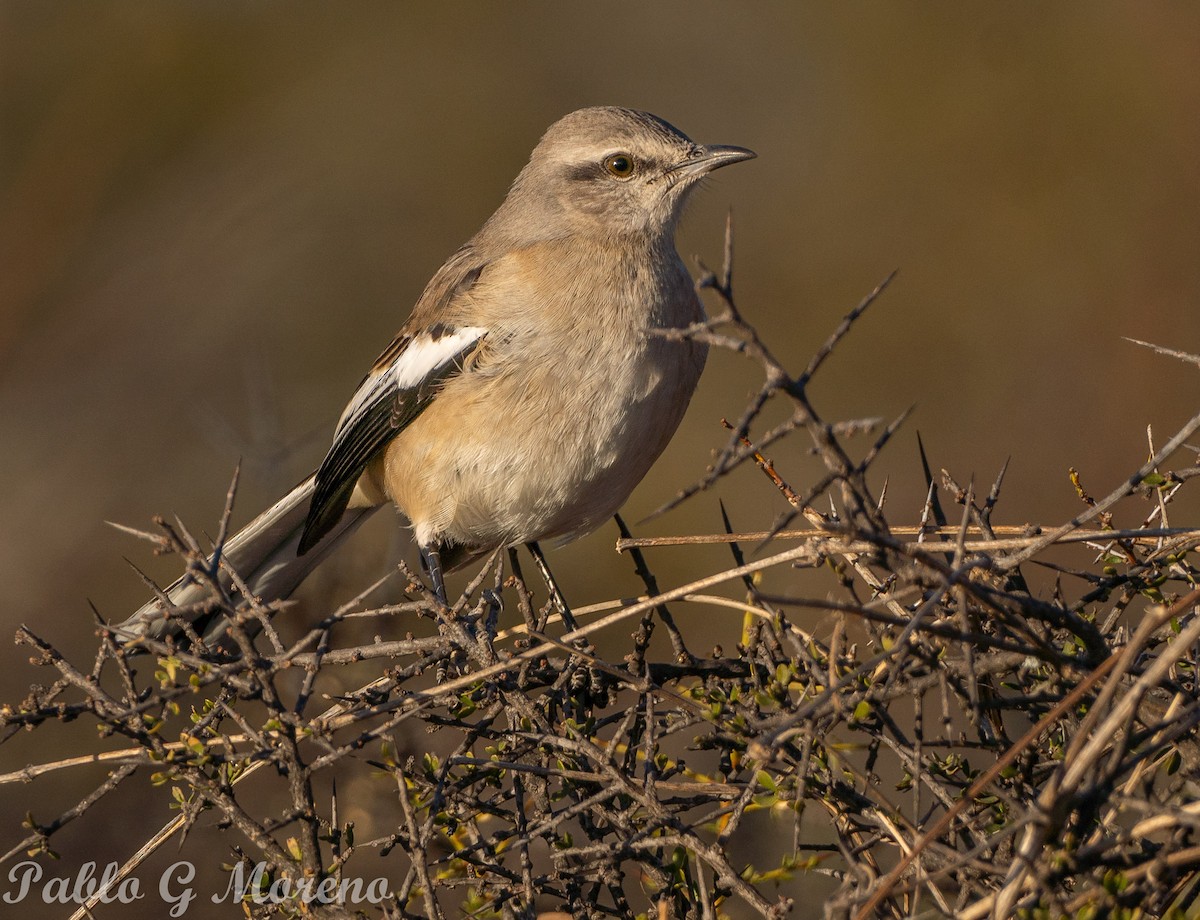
x=555 y=422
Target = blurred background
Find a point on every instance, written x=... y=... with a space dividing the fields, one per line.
x=214 y=216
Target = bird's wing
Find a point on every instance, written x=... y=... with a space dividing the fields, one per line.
x=403 y=381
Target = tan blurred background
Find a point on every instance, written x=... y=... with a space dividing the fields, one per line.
x=214 y=216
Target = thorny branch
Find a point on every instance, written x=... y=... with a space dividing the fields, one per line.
x=976 y=748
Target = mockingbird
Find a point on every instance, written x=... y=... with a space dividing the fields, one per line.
x=529 y=391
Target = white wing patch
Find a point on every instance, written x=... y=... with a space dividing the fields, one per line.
x=425 y=354
x=421 y=357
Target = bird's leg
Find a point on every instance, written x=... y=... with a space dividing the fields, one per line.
x=431 y=558
x=556 y=596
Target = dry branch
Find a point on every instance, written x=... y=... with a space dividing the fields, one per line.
x=553 y=776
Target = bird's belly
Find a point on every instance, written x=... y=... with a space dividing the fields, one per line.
x=496 y=460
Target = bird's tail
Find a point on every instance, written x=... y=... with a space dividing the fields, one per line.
x=263 y=554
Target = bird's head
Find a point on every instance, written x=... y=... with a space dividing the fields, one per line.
x=612 y=171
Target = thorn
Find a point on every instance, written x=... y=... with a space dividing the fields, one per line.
x=141 y=534
x=939 y=516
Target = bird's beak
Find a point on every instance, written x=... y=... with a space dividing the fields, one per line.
x=705 y=159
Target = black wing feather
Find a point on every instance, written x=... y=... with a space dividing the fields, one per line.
x=387 y=412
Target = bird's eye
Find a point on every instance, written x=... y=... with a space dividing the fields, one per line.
x=620 y=165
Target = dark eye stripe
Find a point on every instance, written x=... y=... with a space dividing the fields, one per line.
x=585 y=172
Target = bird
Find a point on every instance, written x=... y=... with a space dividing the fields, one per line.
x=530 y=389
